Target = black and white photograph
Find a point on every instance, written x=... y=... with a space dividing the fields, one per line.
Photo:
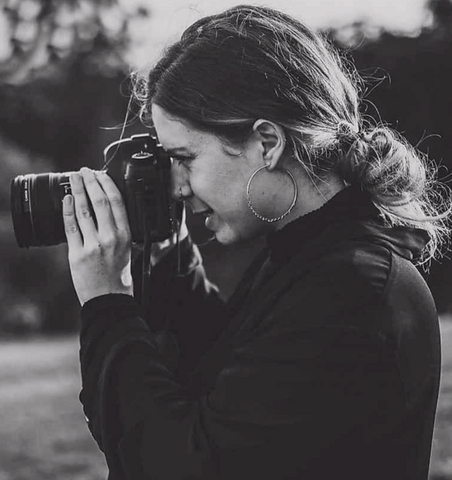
x=225 y=240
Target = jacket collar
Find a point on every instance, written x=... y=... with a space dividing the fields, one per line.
x=349 y=215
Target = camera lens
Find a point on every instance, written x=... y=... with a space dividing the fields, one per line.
x=36 y=208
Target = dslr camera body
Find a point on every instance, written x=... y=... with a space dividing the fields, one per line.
x=140 y=168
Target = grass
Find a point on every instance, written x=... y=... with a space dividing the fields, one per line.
x=43 y=434
x=441 y=461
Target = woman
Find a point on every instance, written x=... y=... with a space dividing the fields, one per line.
x=325 y=362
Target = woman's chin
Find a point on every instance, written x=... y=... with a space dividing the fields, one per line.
x=224 y=234
x=224 y=239
x=227 y=234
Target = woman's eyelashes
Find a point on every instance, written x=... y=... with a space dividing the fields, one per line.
x=182 y=160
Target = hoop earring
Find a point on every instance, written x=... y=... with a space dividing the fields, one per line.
x=258 y=215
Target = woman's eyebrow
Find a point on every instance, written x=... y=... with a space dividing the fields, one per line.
x=175 y=150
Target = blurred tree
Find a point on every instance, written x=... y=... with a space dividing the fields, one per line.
x=62 y=65
x=442 y=15
x=63 y=76
x=39 y=35
x=62 y=68
x=408 y=87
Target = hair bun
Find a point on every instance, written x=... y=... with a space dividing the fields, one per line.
x=385 y=165
x=346 y=131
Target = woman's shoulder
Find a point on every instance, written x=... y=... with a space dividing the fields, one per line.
x=369 y=264
x=358 y=283
x=357 y=265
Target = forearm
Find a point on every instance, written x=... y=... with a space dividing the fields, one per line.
x=250 y=401
x=244 y=416
x=184 y=306
x=178 y=280
x=125 y=380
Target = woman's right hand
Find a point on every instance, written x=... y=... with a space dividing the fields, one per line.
x=99 y=239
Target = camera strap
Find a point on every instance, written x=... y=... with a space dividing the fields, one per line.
x=146 y=270
x=146 y=275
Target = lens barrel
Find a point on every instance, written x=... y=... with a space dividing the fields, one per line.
x=142 y=172
x=36 y=208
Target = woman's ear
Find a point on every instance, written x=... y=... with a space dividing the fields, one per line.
x=273 y=140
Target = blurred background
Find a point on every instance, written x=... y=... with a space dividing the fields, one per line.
x=64 y=93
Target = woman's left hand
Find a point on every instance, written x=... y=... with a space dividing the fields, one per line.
x=99 y=255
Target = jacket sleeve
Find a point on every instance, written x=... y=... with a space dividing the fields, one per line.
x=183 y=302
x=267 y=414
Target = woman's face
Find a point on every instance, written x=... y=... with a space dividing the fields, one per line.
x=212 y=181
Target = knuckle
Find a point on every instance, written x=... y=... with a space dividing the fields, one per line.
x=116 y=200
x=100 y=202
x=122 y=235
x=126 y=236
x=84 y=212
x=109 y=241
x=92 y=250
x=71 y=228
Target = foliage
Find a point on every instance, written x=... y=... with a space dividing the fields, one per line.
x=60 y=92
x=62 y=116
x=408 y=88
x=40 y=37
x=44 y=435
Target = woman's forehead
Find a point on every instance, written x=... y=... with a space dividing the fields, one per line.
x=175 y=134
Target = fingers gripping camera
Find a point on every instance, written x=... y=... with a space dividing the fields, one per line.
x=141 y=170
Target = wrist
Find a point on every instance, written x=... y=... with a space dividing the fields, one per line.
x=105 y=310
x=103 y=293
x=97 y=283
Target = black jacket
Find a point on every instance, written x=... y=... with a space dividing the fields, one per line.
x=324 y=364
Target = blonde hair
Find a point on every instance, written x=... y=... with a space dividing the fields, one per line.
x=251 y=62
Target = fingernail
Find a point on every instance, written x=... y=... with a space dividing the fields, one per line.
x=67 y=200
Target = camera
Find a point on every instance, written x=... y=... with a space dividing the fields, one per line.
x=140 y=168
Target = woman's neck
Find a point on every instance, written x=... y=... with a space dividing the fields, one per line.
x=311 y=196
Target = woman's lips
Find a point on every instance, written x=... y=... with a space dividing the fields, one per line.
x=207 y=214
